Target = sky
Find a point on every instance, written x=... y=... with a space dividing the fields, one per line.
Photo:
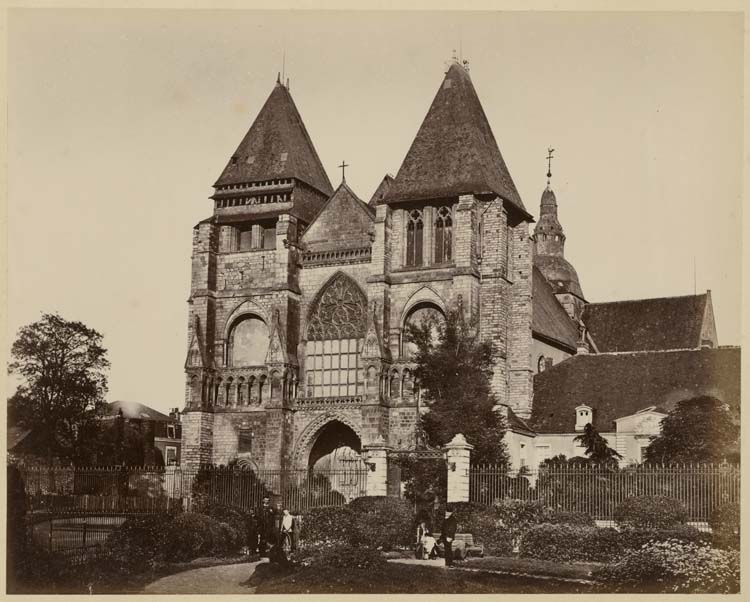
x=120 y=121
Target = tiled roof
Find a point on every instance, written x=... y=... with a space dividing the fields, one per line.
x=646 y=324
x=454 y=151
x=344 y=222
x=382 y=190
x=517 y=424
x=548 y=317
x=133 y=409
x=621 y=384
x=276 y=146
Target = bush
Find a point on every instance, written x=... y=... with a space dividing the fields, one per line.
x=137 y=545
x=192 y=536
x=237 y=518
x=347 y=557
x=565 y=543
x=484 y=523
x=635 y=538
x=382 y=522
x=518 y=516
x=564 y=517
x=327 y=524
x=674 y=567
x=654 y=511
x=725 y=525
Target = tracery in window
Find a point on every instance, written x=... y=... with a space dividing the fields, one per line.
x=334 y=340
x=414 y=236
x=443 y=235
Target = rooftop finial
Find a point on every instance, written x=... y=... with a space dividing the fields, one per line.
x=278 y=77
x=454 y=57
x=549 y=163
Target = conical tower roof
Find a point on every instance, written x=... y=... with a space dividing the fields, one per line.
x=276 y=146
x=454 y=151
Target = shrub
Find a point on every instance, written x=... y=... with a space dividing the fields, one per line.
x=137 y=544
x=484 y=523
x=235 y=517
x=674 y=566
x=654 y=511
x=347 y=557
x=192 y=536
x=564 y=517
x=636 y=538
x=565 y=543
x=725 y=524
x=382 y=522
x=518 y=516
x=327 y=524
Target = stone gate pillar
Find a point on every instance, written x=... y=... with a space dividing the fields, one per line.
x=458 y=456
x=376 y=458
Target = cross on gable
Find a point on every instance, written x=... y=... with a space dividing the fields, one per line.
x=343 y=167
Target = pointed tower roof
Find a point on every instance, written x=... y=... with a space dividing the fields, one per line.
x=454 y=151
x=276 y=146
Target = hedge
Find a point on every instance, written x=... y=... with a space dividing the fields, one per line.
x=382 y=522
x=565 y=543
x=653 y=511
x=327 y=524
x=484 y=523
x=725 y=525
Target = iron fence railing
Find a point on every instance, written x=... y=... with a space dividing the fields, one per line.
x=129 y=490
x=599 y=490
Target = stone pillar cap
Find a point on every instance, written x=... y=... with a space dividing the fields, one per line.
x=459 y=442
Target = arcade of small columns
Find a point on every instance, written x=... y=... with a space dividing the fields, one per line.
x=253 y=387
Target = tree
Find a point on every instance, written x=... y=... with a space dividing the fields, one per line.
x=63 y=367
x=454 y=371
x=701 y=429
x=597 y=448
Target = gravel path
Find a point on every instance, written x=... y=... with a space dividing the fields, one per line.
x=224 y=579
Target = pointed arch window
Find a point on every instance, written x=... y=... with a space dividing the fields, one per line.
x=334 y=340
x=414 y=238
x=248 y=342
x=443 y=235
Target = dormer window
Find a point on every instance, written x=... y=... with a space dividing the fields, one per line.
x=584 y=416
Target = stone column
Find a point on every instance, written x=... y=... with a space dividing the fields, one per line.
x=458 y=455
x=376 y=457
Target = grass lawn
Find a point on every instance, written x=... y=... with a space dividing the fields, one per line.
x=397 y=578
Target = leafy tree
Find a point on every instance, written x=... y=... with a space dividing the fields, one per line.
x=63 y=366
x=597 y=448
x=701 y=429
x=454 y=372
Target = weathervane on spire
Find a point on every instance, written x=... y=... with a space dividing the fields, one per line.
x=549 y=163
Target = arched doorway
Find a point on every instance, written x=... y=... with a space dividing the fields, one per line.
x=335 y=459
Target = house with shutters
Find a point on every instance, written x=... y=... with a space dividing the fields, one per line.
x=301 y=293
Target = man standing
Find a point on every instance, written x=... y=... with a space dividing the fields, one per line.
x=266 y=523
x=448 y=534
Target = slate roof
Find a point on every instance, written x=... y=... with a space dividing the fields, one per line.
x=621 y=384
x=517 y=424
x=343 y=222
x=646 y=324
x=134 y=410
x=548 y=317
x=276 y=146
x=381 y=191
x=454 y=151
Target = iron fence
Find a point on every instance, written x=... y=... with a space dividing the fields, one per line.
x=135 y=490
x=597 y=491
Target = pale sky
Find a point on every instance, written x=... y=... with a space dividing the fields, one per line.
x=120 y=122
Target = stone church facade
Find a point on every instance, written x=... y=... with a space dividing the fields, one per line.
x=301 y=294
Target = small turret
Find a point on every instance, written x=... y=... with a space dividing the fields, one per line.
x=549 y=253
